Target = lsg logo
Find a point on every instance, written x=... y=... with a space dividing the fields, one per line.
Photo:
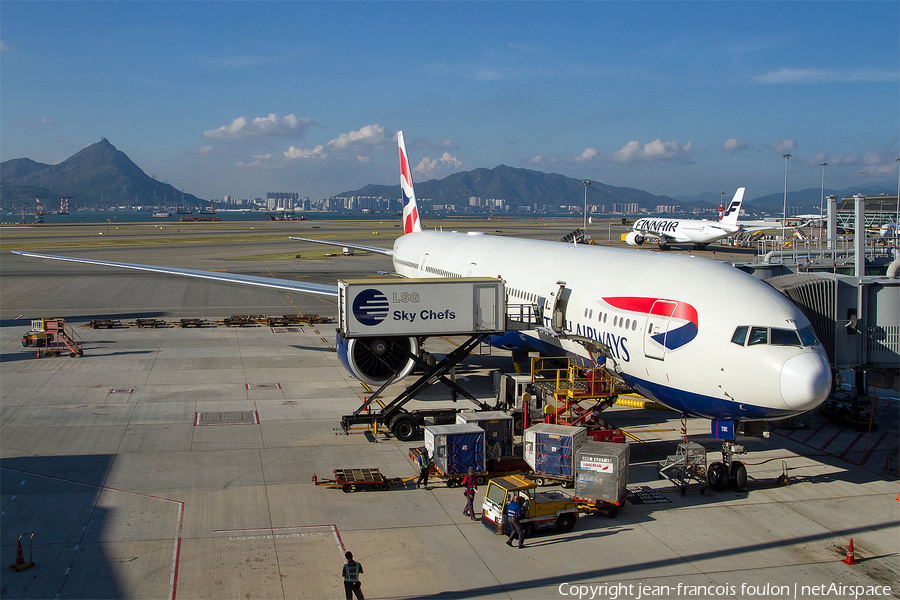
x=406 y=297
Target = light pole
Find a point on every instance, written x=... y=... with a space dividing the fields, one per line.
x=586 y=184
x=822 y=203
x=786 y=157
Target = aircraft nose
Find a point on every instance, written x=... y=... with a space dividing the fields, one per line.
x=805 y=380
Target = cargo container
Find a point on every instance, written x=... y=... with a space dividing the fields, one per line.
x=455 y=448
x=550 y=449
x=497 y=426
x=601 y=472
x=428 y=306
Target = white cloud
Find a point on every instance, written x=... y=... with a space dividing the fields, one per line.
x=734 y=145
x=42 y=124
x=826 y=76
x=588 y=154
x=431 y=169
x=258 y=160
x=655 y=151
x=316 y=152
x=783 y=146
x=269 y=126
x=368 y=137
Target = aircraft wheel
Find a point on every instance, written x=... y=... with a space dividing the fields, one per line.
x=738 y=475
x=717 y=476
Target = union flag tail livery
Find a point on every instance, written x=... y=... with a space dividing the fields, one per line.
x=411 y=221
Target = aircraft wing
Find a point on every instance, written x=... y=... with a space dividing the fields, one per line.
x=316 y=289
x=384 y=251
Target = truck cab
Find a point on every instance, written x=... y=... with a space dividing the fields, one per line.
x=544 y=509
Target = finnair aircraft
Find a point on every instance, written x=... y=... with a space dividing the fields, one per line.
x=688 y=231
x=698 y=336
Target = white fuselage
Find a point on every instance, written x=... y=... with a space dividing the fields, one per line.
x=684 y=231
x=668 y=320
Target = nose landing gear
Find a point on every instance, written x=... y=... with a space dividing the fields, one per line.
x=729 y=472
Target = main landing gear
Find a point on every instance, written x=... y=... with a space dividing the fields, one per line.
x=729 y=472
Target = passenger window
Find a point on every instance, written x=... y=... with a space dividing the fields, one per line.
x=758 y=335
x=785 y=337
x=627 y=323
x=634 y=325
x=808 y=337
x=739 y=336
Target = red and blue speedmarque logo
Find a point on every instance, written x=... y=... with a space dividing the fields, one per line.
x=683 y=321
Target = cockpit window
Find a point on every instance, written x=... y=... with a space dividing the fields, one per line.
x=758 y=335
x=740 y=335
x=785 y=337
x=808 y=337
x=773 y=336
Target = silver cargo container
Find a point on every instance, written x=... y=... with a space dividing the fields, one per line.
x=550 y=449
x=430 y=306
x=601 y=471
x=498 y=428
x=455 y=448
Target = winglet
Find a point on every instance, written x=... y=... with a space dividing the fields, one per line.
x=411 y=221
x=730 y=216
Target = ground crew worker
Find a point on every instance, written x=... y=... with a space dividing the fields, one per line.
x=513 y=514
x=424 y=466
x=470 y=483
x=351 y=572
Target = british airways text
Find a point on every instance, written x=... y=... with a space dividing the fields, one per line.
x=616 y=343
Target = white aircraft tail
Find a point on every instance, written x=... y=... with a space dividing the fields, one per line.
x=411 y=221
x=733 y=210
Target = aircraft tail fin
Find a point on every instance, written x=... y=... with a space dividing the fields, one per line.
x=411 y=221
x=733 y=210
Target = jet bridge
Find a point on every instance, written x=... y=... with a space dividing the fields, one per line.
x=383 y=322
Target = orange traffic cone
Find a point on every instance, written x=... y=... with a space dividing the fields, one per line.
x=851 y=558
x=20 y=564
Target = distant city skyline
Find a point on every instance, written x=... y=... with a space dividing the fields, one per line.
x=674 y=98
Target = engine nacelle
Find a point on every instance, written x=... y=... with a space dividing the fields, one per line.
x=634 y=238
x=375 y=360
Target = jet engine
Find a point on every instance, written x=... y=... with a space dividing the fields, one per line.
x=634 y=239
x=375 y=360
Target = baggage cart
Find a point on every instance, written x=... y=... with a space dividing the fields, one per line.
x=350 y=480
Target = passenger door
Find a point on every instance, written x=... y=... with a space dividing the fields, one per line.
x=657 y=328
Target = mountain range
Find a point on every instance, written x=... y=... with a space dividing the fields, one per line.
x=100 y=175
x=97 y=176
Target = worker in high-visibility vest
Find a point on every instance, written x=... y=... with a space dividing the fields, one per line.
x=351 y=572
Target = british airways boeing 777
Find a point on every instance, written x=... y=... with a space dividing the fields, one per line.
x=698 y=336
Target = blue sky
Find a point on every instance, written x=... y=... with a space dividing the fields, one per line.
x=244 y=98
